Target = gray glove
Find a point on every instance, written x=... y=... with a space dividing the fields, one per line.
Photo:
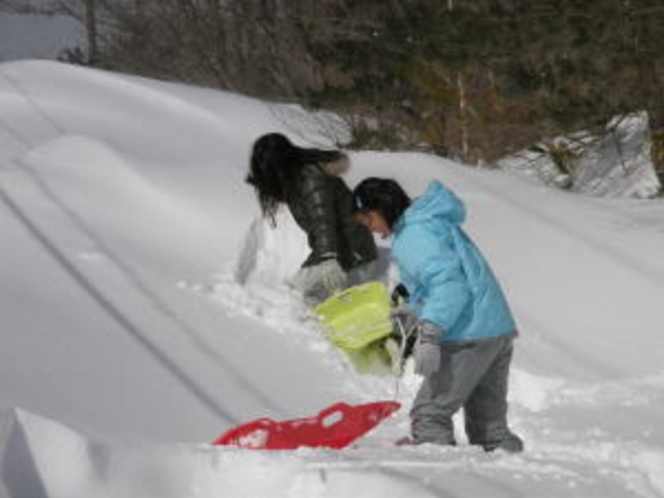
x=427 y=349
x=331 y=276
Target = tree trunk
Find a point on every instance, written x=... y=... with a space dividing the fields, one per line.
x=656 y=120
x=91 y=29
x=463 y=116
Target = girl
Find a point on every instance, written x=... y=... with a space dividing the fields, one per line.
x=308 y=182
x=465 y=329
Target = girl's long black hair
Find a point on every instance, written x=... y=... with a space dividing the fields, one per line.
x=275 y=169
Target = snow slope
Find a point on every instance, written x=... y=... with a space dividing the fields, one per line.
x=128 y=343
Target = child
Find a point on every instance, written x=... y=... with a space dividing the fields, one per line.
x=465 y=329
x=308 y=181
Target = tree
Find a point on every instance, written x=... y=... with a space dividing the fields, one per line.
x=91 y=31
x=481 y=78
x=475 y=79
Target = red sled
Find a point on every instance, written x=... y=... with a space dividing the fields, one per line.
x=335 y=427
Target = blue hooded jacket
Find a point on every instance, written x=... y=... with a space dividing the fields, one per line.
x=449 y=281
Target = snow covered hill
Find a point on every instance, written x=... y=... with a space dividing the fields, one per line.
x=127 y=343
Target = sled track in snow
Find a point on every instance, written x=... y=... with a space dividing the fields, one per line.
x=89 y=288
x=27 y=98
x=130 y=275
x=110 y=309
x=135 y=280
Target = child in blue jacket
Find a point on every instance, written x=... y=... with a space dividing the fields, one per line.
x=465 y=328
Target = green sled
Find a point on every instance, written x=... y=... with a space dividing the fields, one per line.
x=357 y=321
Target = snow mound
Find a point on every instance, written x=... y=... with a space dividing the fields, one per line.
x=271 y=254
x=45 y=459
x=93 y=170
x=77 y=152
x=73 y=99
x=41 y=458
x=256 y=284
x=92 y=184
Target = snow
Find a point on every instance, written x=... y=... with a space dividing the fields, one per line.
x=620 y=164
x=145 y=310
x=617 y=164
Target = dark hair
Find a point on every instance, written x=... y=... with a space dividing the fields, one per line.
x=275 y=169
x=383 y=195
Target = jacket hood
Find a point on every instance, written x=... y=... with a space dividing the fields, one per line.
x=437 y=203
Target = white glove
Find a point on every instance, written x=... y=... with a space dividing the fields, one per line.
x=331 y=276
x=427 y=349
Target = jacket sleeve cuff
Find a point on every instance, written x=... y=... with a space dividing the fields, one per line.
x=430 y=332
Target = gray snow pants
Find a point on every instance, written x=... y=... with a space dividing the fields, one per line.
x=473 y=376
